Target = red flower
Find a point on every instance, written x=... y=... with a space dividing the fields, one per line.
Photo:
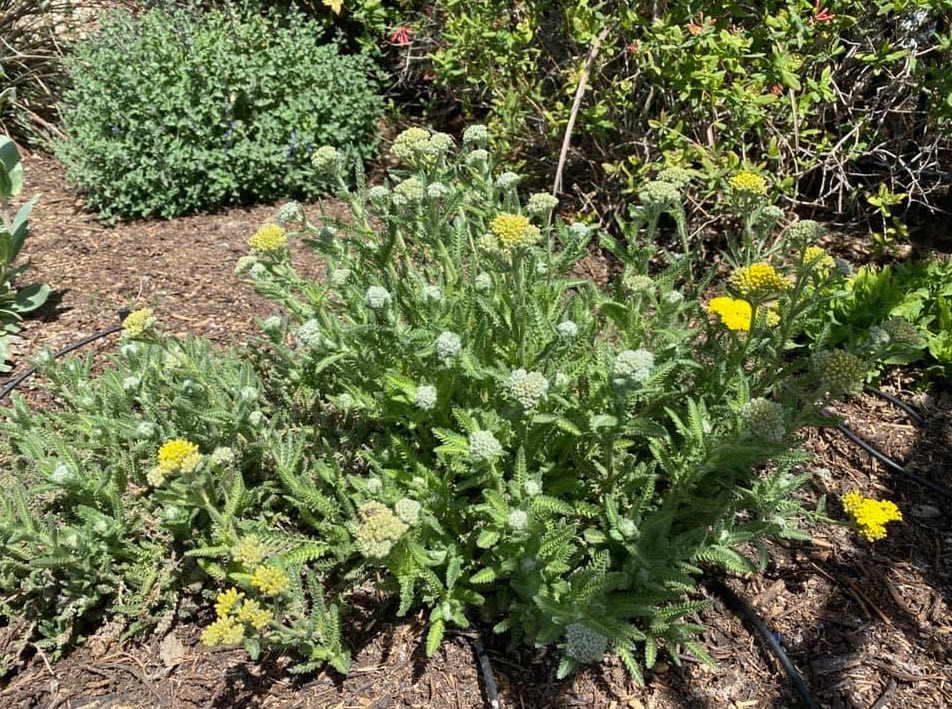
x=822 y=14
x=401 y=36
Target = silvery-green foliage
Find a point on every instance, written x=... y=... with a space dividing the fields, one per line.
x=586 y=449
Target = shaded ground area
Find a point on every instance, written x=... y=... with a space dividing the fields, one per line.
x=862 y=622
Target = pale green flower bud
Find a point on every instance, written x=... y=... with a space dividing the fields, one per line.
x=479 y=158
x=579 y=230
x=249 y=394
x=378 y=196
x=407 y=510
x=410 y=191
x=437 y=190
x=62 y=474
x=448 y=345
x=258 y=271
x=633 y=366
x=528 y=389
x=636 y=282
x=131 y=384
x=439 y=144
x=659 y=195
x=483 y=282
x=483 y=445
x=380 y=529
x=508 y=180
x=841 y=372
x=327 y=160
x=567 y=330
x=425 y=397
x=272 y=323
x=562 y=380
x=345 y=402
x=806 y=231
x=475 y=134
x=374 y=485
x=290 y=212
x=244 y=264
x=765 y=419
x=673 y=298
x=146 y=430
x=377 y=297
x=223 y=455
x=309 y=334
x=677 y=176
x=532 y=488
x=517 y=521
x=878 y=337
x=257 y=419
x=541 y=203
x=432 y=294
x=129 y=350
x=340 y=276
x=902 y=332
x=583 y=644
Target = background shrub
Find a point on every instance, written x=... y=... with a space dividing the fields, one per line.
x=824 y=98
x=173 y=111
x=31 y=69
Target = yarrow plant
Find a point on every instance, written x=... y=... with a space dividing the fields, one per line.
x=528 y=449
x=871 y=516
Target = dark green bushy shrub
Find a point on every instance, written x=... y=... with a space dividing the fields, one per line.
x=173 y=111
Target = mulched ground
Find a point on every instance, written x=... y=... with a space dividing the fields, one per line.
x=867 y=625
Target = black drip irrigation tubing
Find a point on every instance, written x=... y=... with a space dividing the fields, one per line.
x=489 y=679
x=23 y=376
x=885 y=459
x=743 y=609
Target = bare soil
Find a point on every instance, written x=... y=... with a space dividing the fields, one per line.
x=867 y=625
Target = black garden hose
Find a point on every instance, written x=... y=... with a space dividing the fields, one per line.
x=29 y=372
x=898 y=403
x=743 y=609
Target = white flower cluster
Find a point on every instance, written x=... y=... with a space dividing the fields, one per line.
x=483 y=282
x=437 y=190
x=146 y=430
x=633 y=366
x=448 y=345
x=583 y=644
x=579 y=230
x=290 y=212
x=327 y=159
x=508 y=180
x=478 y=158
x=407 y=510
x=528 y=388
x=532 y=488
x=425 y=397
x=432 y=294
x=309 y=334
x=340 y=276
x=517 y=521
x=377 y=297
x=765 y=419
x=541 y=203
x=439 y=144
x=378 y=195
x=567 y=329
x=673 y=298
x=483 y=445
x=410 y=191
x=476 y=134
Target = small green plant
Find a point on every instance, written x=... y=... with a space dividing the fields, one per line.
x=894 y=230
x=14 y=302
x=173 y=111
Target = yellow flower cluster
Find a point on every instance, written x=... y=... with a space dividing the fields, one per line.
x=138 y=322
x=227 y=631
x=268 y=239
x=270 y=580
x=179 y=456
x=749 y=184
x=871 y=515
x=735 y=314
x=226 y=601
x=252 y=613
x=817 y=258
x=758 y=280
x=513 y=230
x=772 y=314
x=249 y=551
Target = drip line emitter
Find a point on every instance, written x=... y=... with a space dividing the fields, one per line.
x=733 y=601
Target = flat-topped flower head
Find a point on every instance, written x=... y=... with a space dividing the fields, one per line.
x=805 y=231
x=439 y=144
x=249 y=551
x=659 y=195
x=513 y=231
x=759 y=280
x=483 y=282
x=138 y=322
x=224 y=631
x=871 y=515
x=528 y=389
x=327 y=160
x=902 y=332
x=410 y=191
x=270 y=580
x=567 y=329
x=677 y=176
x=179 y=456
x=269 y=239
x=226 y=601
x=818 y=259
x=734 y=313
x=407 y=510
x=475 y=135
x=411 y=144
x=517 y=521
x=290 y=213
x=254 y=615
x=508 y=180
x=379 y=530
x=747 y=184
x=541 y=203
x=633 y=366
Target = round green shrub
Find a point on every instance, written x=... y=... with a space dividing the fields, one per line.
x=173 y=111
